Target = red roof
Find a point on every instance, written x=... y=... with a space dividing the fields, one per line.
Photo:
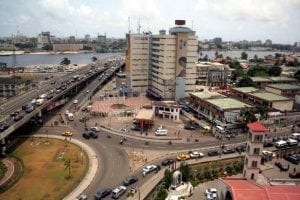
x=257 y=127
x=243 y=189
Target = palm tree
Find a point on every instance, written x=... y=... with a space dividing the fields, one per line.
x=248 y=115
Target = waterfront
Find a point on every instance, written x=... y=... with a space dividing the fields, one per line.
x=40 y=59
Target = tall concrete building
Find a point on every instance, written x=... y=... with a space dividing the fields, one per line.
x=163 y=65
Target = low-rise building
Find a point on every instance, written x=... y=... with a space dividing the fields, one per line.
x=10 y=87
x=166 y=109
x=284 y=89
x=67 y=47
x=262 y=82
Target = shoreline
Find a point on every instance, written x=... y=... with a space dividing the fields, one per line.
x=10 y=53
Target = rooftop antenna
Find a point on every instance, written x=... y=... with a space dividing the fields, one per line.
x=139 y=26
x=129 y=31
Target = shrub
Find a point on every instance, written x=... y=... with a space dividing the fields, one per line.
x=207 y=174
x=3 y=170
x=229 y=169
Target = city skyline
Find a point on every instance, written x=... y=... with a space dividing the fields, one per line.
x=277 y=20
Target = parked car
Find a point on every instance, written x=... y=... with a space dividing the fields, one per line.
x=102 y=193
x=281 y=144
x=241 y=148
x=282 y=166
x=292 y=142
x=75 y=101
x=210 y=190
x=124 y=130
x=295 y=158
x=182 y=157
x=167 y=162
x=130 y=180
x=228 y=150
x=213 y=153
x=82 y=197
x=13 y=114
x=93 y=134
x=86 y=135
x=67 y=133
x=195 y=154
x=17 y=118
x=189 y=127
x=268 y=144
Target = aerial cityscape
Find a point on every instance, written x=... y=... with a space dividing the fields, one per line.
x=150 y=100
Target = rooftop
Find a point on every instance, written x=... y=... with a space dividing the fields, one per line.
x=284 y=86
x=145 y=114
x=166 y=103
x=269 y=96
x=207 y=95
x=259 y=79
x=257 y=127
x=245 y=89
x=228 y=103
x=282 y=78
x=4 y=81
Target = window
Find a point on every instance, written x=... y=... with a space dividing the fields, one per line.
x=254 y=164
x=256 y=151
x=258 y=138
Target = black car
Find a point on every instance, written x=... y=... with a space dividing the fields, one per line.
x=189 y=127
x=14 y=113
x=213 y=153
x=268 y=144
x=295 y=158
x=93 y=134
x=227 y=150
x=3 y=127
x=17 y=118
x=241 y=148
x=86 y=135
x=294 y=175
x=282 y=166
x=102 y=193
x=167 y=162
x=130 y=180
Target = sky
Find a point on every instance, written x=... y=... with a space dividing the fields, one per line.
x=233 y=20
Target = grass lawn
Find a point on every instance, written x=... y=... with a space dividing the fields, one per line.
x=45 y=175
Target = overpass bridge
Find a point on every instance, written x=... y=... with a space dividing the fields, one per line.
x=107 y=68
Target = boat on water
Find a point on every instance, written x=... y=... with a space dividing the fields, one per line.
x=10 y=53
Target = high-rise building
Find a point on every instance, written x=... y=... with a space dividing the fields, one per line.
x=43 y=38
x=163 y=65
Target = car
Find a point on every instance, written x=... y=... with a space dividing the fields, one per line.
x=210 y=191
x=213 y=153
x=167 y=162
x=118 y=191
x=82 y=197
x=67 y=133
x=294 y=175
x=241 y=148
x=211 y=196
x=268 y=153
x=182 y=157
x=17 y=118
x=124 y=130
x=93 y=134
x=95 y=128
x=13 y=114
x=3 y=126
x=228 y=150
x=268 y=144
x=189 y=127
x=86 y=135
x=282 y=166
x=130 y=180
x=295 y=158
x=150 y=168
x=102 y=193
x=195 y=154
x=292 y=142
x=75 y=101
x=87 y=91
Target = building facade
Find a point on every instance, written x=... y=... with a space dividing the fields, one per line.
x=67 y=47
x=212 y=74
x=10 y=87
x=164 y=64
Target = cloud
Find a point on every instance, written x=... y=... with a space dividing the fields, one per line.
x=244 y=10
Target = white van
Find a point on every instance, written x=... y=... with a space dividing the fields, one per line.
x=281 y=144
x=292 y=142
x=161 y=132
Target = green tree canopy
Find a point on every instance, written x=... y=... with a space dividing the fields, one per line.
x=244 y=55
x=248 y=115
x=258 y=70
x=245 y=82
x=65 y=61
x=186 y=172
x=275 y=71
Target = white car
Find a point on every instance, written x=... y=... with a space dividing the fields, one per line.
x=117 y=192
x=210 y=190
x=196 y=154
x=95 y=128
x=211 y=196
x=268 y=153
x=149 y=168
x=75 y=101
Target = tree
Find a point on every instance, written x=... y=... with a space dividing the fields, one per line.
x=65 y=61
x=244 y=55
x=168 y=178
x=186 y=172
x=275 y=71
x=258 y=70
x=263 y=111
x=245 y=82
x=162 y=194
x=94 y=59
x=248 y=115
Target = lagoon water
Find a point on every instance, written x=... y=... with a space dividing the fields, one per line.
x=83 y=58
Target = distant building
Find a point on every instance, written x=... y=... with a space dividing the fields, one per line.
x=217 y=41
x=284 y=89
x=10 y=87
x=67 y=47
x=87 y=38
x=268 y=42
x=101 y=39
x=72 y=40
x=262 y=82
x=43 y=38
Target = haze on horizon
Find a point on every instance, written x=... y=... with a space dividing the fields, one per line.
x=278 y=20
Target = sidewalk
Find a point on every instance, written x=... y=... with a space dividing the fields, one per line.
x=148 y=186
